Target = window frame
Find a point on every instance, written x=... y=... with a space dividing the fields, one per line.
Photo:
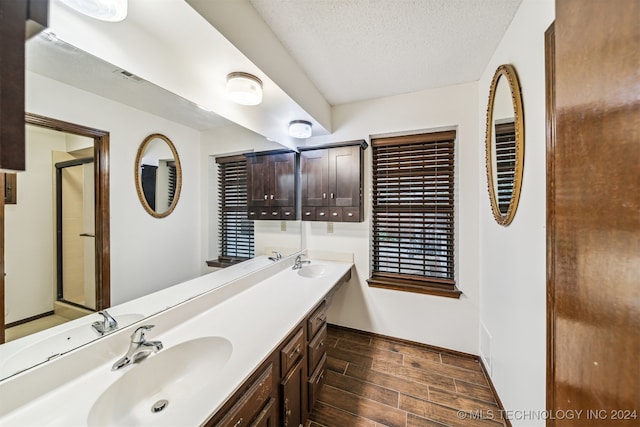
x=228 y=249
x=397 y=212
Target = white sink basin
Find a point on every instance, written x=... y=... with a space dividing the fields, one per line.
x=51 y=346
x=168 y=380
x=312 y=271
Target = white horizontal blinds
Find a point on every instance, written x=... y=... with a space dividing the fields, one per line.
x=505 y=163
x=235 y=230
x=413 y=207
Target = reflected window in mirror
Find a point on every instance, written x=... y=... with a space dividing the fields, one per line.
x=236 y=231
x=505 y=160
x=158 y=175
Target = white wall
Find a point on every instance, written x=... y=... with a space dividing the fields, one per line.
x=429 y=319
x=512 y=259
x=30 y=230
x=147 y=254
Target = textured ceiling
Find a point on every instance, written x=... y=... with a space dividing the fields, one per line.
x=361 y=49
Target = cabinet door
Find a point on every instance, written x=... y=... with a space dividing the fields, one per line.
x=344 y=176
x=294 y=396
x=282 y=180
x=257 y=181
x=314 y=171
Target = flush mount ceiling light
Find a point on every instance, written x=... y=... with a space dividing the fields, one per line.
x=104 y=10
x=300 y=129
x=244 y=88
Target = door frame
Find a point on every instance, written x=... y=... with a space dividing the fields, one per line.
x=102 y=210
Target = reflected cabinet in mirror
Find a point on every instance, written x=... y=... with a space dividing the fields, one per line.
x=158 y=175
x=504 y=144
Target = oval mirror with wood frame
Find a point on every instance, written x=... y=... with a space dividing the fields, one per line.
x=158 y=175
x=504 y=144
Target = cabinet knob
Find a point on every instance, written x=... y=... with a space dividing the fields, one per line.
x=238 y=423
x=350 y=214
x=265 y=197
x=332 y=196
x=324 y=195
x=272 y=197
x=287 y=213
x=252 y=213
x=274 y=213
x=335 y=214
x=307 y=213
x=321 y=214
x=263 y=213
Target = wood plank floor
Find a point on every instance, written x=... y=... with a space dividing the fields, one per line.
x=373 y=381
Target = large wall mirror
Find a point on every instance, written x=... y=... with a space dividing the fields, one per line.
x=504 y=144
x=52 y=62
x=158 y=175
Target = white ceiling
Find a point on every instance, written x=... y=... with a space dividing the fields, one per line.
x=360 y=49
x=349 y=49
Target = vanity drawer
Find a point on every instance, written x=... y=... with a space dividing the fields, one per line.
x=266 y=417
x=317 y=319
x=292 y=351
x=317 y=348
x=316 y=381
x=252 y=402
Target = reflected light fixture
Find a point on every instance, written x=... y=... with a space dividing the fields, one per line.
x=104 y=10
x=300 y=129
x=244 y=88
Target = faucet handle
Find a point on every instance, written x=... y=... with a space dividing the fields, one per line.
x=107 y=324
x=139 y=334
x=277 y=254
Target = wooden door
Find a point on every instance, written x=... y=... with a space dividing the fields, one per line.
x=314 y=168
x=593 y=213
x=344 y=176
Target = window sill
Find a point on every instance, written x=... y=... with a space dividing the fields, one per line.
x=415 y=286
x=224 y=262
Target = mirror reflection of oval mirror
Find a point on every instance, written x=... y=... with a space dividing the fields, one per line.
x=158 y=175
x=504 y=144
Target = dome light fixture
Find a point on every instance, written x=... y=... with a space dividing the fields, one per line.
x=300 y=129
x=244 y=88
x=104 y=10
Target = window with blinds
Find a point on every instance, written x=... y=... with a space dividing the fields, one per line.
x=413 y=213
x=235 y=230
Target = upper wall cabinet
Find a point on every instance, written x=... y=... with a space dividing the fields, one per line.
x=331 y=182
x=272 y=185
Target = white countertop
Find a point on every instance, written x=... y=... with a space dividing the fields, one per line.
x=254 y=313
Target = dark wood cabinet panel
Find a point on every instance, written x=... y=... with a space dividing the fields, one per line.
x=272 y=186
x=314 y=169
x=251 y=404
x=345 y=168
x=331 y=183
x=294 y=396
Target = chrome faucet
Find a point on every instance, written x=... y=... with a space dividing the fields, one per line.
x=297 y=265
x=108 y=323
x=277 y=256
x=139 y=348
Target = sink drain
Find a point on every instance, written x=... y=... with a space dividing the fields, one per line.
x=159 y=405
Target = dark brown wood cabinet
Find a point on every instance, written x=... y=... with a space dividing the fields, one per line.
x=272 y=185
x=331 y=182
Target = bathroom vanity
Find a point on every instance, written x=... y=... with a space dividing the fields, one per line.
x=250 y=352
